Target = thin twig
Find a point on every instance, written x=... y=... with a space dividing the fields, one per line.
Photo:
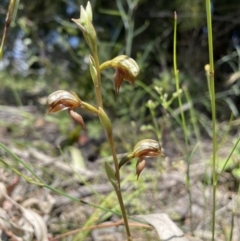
x=102 y=225
x=7 y=24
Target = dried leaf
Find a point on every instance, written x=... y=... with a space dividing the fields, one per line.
x=40 y=228
x=165 y=227
x=35 y=220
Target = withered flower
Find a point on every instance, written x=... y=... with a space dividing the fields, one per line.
x=125 y=69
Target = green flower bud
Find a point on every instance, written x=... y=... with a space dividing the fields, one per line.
x=85 y=24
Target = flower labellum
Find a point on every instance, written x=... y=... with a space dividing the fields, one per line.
x=62 y=100
x=140 y=166
x=78 y=118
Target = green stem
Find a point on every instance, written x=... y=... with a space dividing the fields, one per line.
x=89 y=107
x=118 y=189
x=128 y=21
x=193 y=115
x=111 y=143
x=213 y=107
x=177 y=78
x=125 y=219
x=155 y=123
x=188 y=183
x=98 y=85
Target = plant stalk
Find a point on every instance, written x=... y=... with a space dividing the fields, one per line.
x=177 y=79
x=213 y=107
x=111 y=143
x=118 y=190
x=188 y=183
x=98 y=86
x=7 y=24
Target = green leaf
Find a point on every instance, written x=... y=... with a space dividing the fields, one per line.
x=111 y=175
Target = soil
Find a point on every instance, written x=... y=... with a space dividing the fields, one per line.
x=36 y=140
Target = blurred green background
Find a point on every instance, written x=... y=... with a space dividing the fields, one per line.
x=45 y=51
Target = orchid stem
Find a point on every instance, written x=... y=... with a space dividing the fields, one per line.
x=98 y=85
x=111 y=143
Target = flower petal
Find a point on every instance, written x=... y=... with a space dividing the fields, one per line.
x=147 y=147
x=126 y=69
x=61 y=100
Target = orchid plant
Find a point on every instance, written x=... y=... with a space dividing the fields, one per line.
x=125 y=69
